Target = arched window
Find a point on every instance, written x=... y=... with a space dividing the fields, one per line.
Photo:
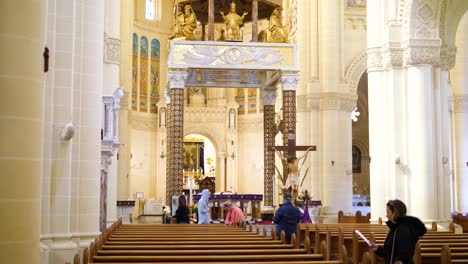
x=149 y=9
x=134 y=71
x=143 y=74
x=155 y=72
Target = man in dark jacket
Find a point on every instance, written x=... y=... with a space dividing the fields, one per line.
x=287 y=217
x=405 y=232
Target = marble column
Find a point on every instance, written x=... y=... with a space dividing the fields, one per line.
x=420 y=133
x=174 y=186
x=376 y=82
x=460 y=119
x=111 y=81
x=22 y=119
x=126 y=30
x=289 y=83
x=335 y=140
x=269 y=127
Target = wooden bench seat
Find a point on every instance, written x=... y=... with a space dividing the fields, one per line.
x=209 y=258
x=200 y=251
x=197 y=246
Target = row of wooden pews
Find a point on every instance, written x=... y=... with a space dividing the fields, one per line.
x=175 y=244
x=434 y=247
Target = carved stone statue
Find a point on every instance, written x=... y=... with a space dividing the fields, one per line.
x=184 y=24
x=278 y=32
x=233 y=23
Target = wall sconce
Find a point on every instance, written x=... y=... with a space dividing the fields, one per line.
x=162 y=156
x=333 y=163
x=444 y=160
x=232 y=154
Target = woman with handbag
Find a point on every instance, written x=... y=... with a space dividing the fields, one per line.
x=405 y=232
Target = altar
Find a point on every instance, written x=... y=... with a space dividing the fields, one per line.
x=314 y=207
x=216 y=203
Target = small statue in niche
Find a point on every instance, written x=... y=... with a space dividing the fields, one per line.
x=278 y=32
x=233 y=23
x=184 y=24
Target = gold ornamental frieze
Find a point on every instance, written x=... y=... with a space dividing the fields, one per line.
x=233 y=55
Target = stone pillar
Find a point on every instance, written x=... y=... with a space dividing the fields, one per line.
x=335 y=106
x=289 y=83
x=22 y=119
x=111 y=81
x=268 y=98
x=335 y=150
x=126 y=30
x=443 y=132
x=375 y=76
x=174 y=185
x=421 y=132
x=460 y=119
x=377 y=132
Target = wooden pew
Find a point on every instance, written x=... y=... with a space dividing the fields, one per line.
x=357 y=218
x=462 y=221
x=144 y=248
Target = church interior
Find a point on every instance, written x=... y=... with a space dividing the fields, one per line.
x=113 y=108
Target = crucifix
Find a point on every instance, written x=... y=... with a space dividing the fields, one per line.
x=293 y=163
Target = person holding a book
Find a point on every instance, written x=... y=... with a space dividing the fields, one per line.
x=404 y=233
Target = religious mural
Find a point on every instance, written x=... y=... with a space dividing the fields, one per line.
x=356 y=159
x=193 y=156
x=143 y=74
x=155 y=73
x=134 y=71
x=252 y=93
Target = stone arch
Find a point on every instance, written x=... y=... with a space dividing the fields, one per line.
x=355 y=70
x=450 y=16
x=218 y=141
x=420 y=19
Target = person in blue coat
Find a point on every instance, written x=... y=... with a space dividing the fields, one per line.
x=287 y=217
x=203 y=208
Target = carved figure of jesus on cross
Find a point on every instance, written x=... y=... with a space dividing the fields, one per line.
x=293 y=164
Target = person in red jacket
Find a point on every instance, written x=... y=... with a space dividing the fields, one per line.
x=234 y=214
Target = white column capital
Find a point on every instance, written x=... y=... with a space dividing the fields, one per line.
x=447 y=58
x=392 y=55
x=269 y=97
x=421 y=51
x=289 y=81
x=177 y=79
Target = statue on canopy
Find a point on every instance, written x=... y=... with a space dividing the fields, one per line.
x=184 y=24
x=233 y=23
x=278 y=32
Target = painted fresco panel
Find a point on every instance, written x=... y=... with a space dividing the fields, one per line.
x=134 y=72
x=155 y=75
x=144 y=74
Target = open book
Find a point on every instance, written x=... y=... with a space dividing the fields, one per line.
x=363 y=238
